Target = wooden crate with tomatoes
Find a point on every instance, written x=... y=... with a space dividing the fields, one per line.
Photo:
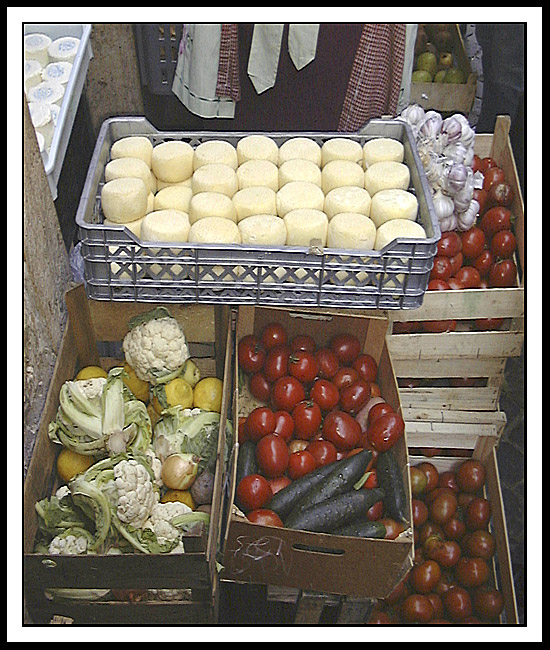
x=118 y=588
x=450 y=353
x=462 y=572
x=307 y=509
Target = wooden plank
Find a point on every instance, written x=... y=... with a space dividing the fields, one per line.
x=309 y=609
x=436 y=368
x=459 y=399
x=80 y=321
x=355 y=611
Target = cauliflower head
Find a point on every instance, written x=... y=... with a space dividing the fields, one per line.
x=160 y=520
x=68 y=545
x=156 y=347
x=136 y=492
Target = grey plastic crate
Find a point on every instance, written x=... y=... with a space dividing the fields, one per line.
x=120 y=266
x=157 y=47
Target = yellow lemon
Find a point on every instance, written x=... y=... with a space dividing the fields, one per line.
x=70 y=463
x=90 y=372
x=184 y=496
x=207 y=394
x=138 y=387
x=177 y=392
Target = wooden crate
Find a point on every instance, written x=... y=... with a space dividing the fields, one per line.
x=93 y=326
x=430 y=367
x=449 y=98
x=354 y=567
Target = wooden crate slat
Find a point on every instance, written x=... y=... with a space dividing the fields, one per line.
x=447 y=368
x=460 y=399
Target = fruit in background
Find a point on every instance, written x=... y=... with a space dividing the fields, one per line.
x=443 y=40
x=455 y=76
x=439 y=76
x=445 y=59
x=421 y=76
x=421 y=40
x=427 y=61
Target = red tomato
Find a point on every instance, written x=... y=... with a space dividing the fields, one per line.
x=437 y=604
x=286 y=392
x=366 y=366
x=503 y=274
x=471 y=571
x=276 y=363
x=303 y=365
x=480 y=195
x=242 y=433
x=470 y=475
x=328 y=363
x=419 y=481
x=386 y=431
x=251 y=354
x=431 y=473
x=278 y=483
x=346 y=347
x=284 y=425
x=260 y=423
x=473 y=242
x=419 y=512
x=454 y=528
x=272 y=455
x=272 y=335
x=445 y=552
x=503 y=244
x=442 y=268
x=500 y=193
x=478 y=513
x=448 y=479
x=345 y=377
x=456 y=261
x=379 y=618
x=259 y=387
x=486 y=163
x=457 y=603
x=450 y=244
x=488 y=324
x=469 y=276
x=438 y=285
x=253 y=492
x=325 y=393
x=424 y=576
x=480 y=543
x=455 y=285
x=495 y=219
x=393 y=528
x=342 y=430
x=355 y=396
x=493 y=175
x=264 y=517
x=417 y=608
x=377 y=411
x=302 y=342
x=483 y=262
x=439 y=326
x=300 y=463
x=307 y=418
x=443 y=507
x=323 y=451
x=487 y=602
x=476 y=163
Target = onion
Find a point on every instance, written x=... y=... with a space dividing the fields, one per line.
x=363 y=415
x=179 y=471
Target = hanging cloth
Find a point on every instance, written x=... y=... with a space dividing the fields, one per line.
x=228 y=82
x=375 y=81
x=265 y=50
x=408 y=64
x=196 y=76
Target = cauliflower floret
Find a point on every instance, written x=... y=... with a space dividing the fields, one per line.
x=92 y=387
x=136 y=493
x=156 y=466
x=160 y=518
x=68 y=545
x=156 y=349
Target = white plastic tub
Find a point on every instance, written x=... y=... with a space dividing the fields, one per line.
x=53 y=161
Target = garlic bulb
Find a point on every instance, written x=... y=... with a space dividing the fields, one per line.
x=429 y=128
x=456 y=151
x=448 y=223
x=443 y=205
x=455 y=178
x=465 y=220
x=451 y=129
x=412 y=114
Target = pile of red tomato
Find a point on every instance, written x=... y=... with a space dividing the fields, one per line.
x=318 y=404
x=450 y=581
x=481 y=257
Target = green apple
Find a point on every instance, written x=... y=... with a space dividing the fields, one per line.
x=445 y=60
x=440 y=76
x=455 y=76
x=427 y=61
x=421 y=76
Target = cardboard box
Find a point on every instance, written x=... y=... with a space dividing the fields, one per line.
x=315 y=561
x=92 y=337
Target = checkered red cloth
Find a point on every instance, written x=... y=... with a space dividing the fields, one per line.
x=228 y=84
x=375 y=80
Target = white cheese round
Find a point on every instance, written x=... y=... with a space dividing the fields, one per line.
x=351 y=230
x=298 y=169
x=41 y=141
x=172 y=161
x=215 y=151
x=393 y=204
x=36 y=47
x=59 y=71
x=41 y=118
x=382 y=149
x=124 y=199
x=133 y=226
x=211 y=204
x=165 y=226
x=263 y=229
x=347 y=198
x=258 y=172
x=188 y=182
x=338 y=173
x=257 y=147
x=150 y=202
x=215 y=177
x=395 y=228
x=341 y=149
x=306 y=227
x=386 y=175
x=174 y=197
x=64 y=48
x=214 y=230
x=47 y=91
x=133 y=146
x=131 y=167
x=256 y=199
x=299 y=194
x=302 y=148
x=33 y=74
